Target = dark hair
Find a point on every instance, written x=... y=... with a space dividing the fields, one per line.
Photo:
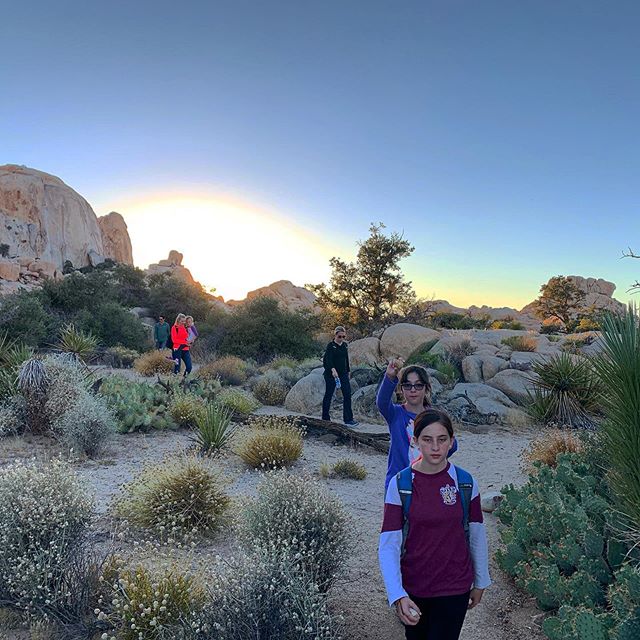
x=422 y=374
x=431 y=416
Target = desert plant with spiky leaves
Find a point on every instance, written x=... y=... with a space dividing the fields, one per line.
x=82 y=344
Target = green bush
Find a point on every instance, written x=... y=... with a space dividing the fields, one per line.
x=261 y=329
x=25 y=317
x=507 y=323
x=179 y=497
x=565 y=392
x=12 y=355
x=113 y=324
x=120 y=357
x=77 y=342
x=349 y=469
x=170 y=295
x=449 y=320
x=521 y=343
x=297 y=516
x=214 y=429
x=421 y=354
x=239 y=401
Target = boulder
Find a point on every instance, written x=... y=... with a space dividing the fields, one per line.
x=175 y=258
x=365 y=376
x=140 y=312
x=524 y=360
x=43 y=268
x=515 y=384
x=486 y=398
x=364 y=402
x=288 y=295
x=42 y=217
x=491 y=365
x=95 y=258
x=9 y=270
x=491 y=500
x=472 y=368
x=115 y=238
x=365 y=352
x=403 y=339
x=306 y=395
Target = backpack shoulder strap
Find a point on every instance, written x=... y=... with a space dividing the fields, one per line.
x=404 y=479
x=465 y=487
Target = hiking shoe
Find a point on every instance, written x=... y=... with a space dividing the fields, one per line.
x=352 y=423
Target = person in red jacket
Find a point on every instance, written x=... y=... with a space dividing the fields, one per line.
x=180 y=340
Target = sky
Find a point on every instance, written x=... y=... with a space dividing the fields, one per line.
x=261 y=138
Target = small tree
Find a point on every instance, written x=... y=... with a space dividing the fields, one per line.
x=560 y=298
x=368 y=292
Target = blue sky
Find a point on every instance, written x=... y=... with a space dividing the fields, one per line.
x=502 y=137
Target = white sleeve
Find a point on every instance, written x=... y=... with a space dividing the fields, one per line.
x=389 y=549
x=479 y=548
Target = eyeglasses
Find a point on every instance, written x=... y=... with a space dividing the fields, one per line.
x=342 y=336
x=406 y=386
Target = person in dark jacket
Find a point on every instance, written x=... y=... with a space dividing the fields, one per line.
x=161 y=332
x=336 y=375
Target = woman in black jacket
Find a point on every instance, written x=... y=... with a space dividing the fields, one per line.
x=336 y=375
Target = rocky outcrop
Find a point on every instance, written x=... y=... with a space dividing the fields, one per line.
x=403 y=339
x=173 y=266
x=365 y=352
x=289 y=296
x=115 y=238
x=41 y=217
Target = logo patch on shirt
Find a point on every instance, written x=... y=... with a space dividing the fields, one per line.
x=448 y=494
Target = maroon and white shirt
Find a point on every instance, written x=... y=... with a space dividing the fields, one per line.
x=437 y=559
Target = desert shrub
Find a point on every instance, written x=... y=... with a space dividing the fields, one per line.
x=238 y=401
x=67 y=381
x=565 y=392
x=86 y=426
x=521 y=343
x=214 y=429
x=261 y=329
x=573 y=344
x=12 y=355
x=44 y=515
x=344 y=468
x=82 y=344
x=12 y=416
x=271 y=389
x=25 y=316
x=154 y=362
x=113 y=324
x=449 y=320
x=448 y=372
x=120 y=357
x=507 y=323
x=287 y=608
x=136 y=603
x=178 y=497
x=421 y=353
x=273 y=442
x=278 y=362
x=297 y=515
x=547 y=447
x=455 y=352
x=169 y=296
x=230 y=370
x=185 y=408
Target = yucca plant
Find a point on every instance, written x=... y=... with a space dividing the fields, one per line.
x=82 y=344
x=565 y=392
x=12 y=355
x=618 y=368
x=214 y=429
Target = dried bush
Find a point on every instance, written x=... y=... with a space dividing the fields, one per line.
x=44 y=515
x=521 y=343
x=276 y=600
x=548 y=446
x=456 y=352
x=185 y=408
x=238 y=401
x=271 y=389
x=82 y=344
x=154 y=362
x=178 y=497
x=214 y=429
x=298 y=518
x=574 y=344
x=230 y=370
x=272 y=442
x=350 y=469
x=278 y=362
x=120 y=357
x=137 y=604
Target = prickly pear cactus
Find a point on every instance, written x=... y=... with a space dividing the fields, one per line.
x=589 y=627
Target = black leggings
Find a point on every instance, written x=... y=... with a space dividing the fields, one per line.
x=441 y=618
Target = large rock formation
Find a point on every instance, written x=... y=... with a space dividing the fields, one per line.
x=173 y=266
x=115 y=238
x=41 y=217
x=289 y=296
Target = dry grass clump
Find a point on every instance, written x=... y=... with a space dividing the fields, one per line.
x=44 y=515
x=521 y=343
x=549 y=446
x=344 y=468
x=296 y=516
x=574 y=344
x=181 y=497
x=273 y=442
x=154 y=362
x=185 y=408
x=230 y=370
x=237 y=400
x=271 y=389
x=458 y=350
x=137 y=604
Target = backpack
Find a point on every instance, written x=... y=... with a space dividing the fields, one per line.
x=405 y=489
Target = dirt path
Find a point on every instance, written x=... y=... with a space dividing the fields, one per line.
x=493 y=458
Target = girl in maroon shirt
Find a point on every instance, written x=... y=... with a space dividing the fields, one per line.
x=441 y=574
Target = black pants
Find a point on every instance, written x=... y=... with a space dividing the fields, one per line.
x=441 y=618
x=330 y=387
x=181 y=354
